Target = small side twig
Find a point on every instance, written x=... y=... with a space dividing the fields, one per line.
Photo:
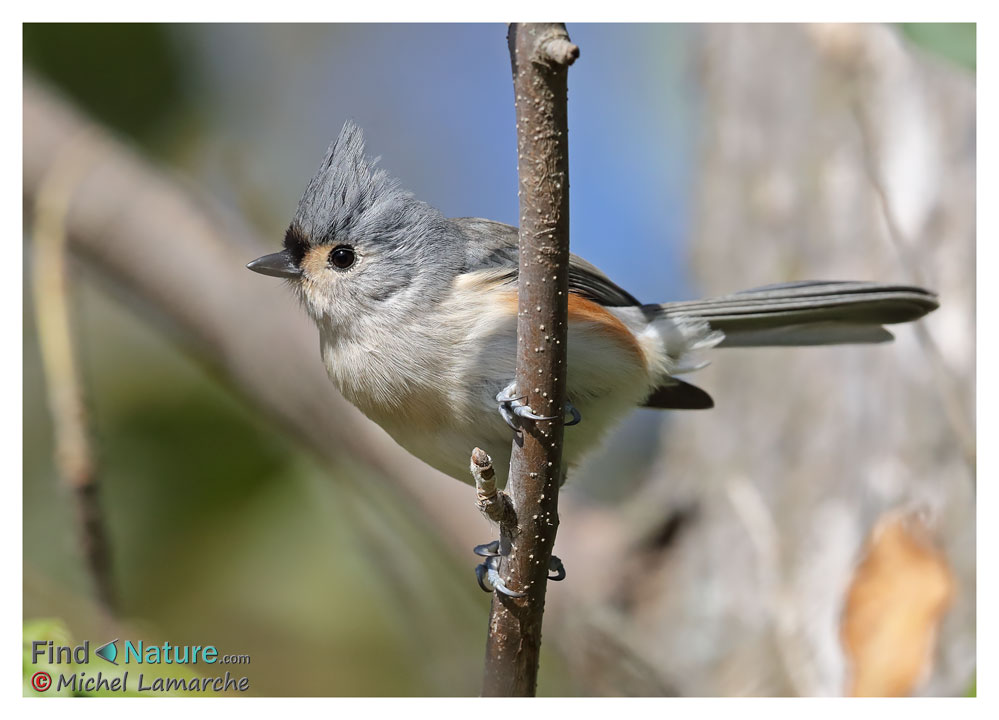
x=74 y=457
x=558 y=47
x=492 y=503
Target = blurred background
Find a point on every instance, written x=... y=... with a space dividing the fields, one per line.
x=814 y=534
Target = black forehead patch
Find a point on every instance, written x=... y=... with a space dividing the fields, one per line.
x=296 y=243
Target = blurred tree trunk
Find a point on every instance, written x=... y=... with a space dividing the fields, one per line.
x=747 y=537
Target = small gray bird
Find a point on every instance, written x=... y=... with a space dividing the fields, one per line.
x=417 y=317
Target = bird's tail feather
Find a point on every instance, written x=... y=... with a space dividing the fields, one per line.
x=806 y=313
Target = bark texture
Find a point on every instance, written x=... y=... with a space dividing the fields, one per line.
x=540 y=54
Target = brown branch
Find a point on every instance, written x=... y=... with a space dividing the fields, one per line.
x=540 y=54
x=74 y=457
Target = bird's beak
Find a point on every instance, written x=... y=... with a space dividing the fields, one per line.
x=277 y=264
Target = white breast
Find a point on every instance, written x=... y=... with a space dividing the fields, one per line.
x=432 y=385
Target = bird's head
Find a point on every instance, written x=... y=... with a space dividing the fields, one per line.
x=359 y=244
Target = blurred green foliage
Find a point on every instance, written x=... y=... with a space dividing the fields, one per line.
x=42 y=630
x=55 y=630
x=128 y=75
x=954 y=41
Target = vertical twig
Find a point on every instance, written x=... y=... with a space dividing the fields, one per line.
x=74 y=458
x=540 y=54
x=946 y=386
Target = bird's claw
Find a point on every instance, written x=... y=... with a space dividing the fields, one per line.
x=555 y=566
x=511 y=406
x=487 y=572
x=506 y=399
x=490 y=549
x=490 y=580
x=525 y=412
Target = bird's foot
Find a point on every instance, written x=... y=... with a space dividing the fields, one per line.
x=487 y=572
x=576 y=417
x=511 y=407
x=555 y=566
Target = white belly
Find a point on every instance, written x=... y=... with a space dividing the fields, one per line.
x=434 y=393
x=600 y=385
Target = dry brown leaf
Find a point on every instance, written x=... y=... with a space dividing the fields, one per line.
x=894 y=606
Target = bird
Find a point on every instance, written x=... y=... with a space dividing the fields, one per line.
x=417 y=320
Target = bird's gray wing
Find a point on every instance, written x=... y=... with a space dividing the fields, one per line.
x=493 y=246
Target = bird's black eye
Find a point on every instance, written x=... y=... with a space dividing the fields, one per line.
x=342 y=257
